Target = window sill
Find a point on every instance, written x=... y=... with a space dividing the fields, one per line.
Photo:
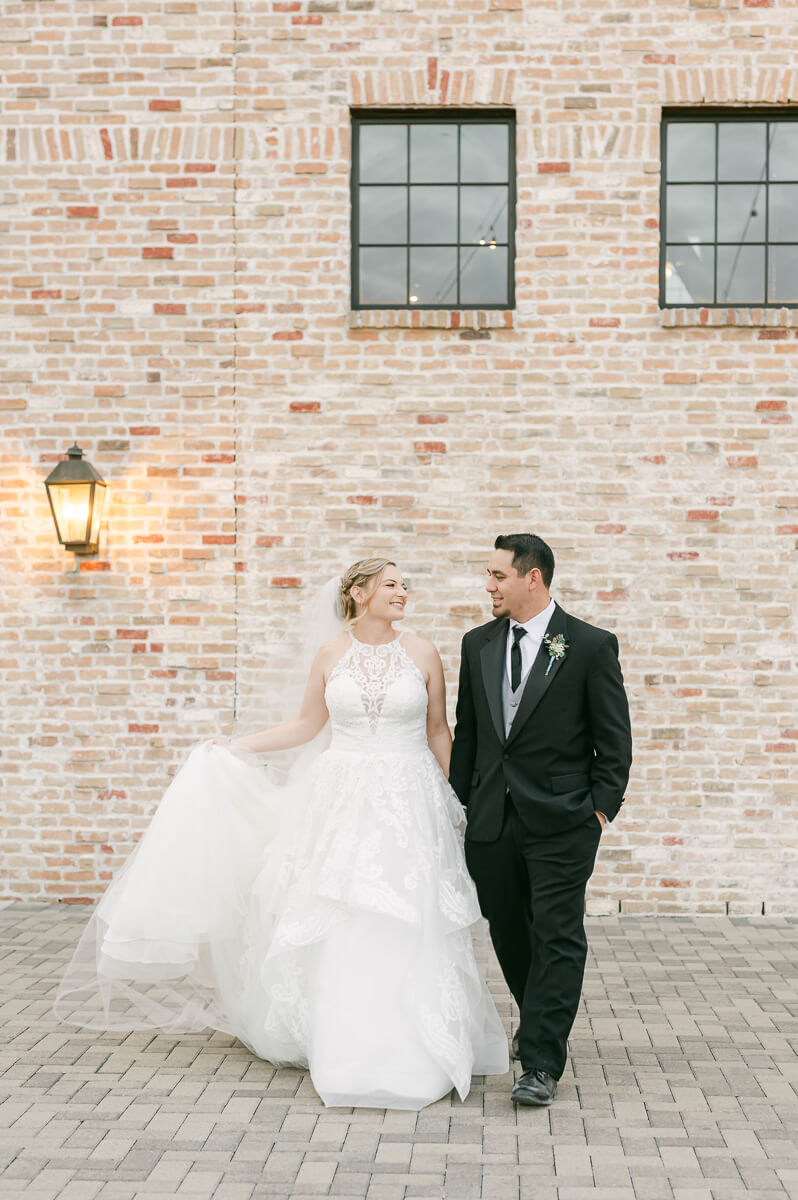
x=744 y=318
x=431 y=318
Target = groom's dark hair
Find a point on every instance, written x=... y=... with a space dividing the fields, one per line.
x=528 y=551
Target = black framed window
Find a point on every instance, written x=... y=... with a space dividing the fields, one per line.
x=729 y=209
x=433 y=209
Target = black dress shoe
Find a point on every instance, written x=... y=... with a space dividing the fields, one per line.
x=535 y=1088
x=515 y=1053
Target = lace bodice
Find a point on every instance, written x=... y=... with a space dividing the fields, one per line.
x=377 y=699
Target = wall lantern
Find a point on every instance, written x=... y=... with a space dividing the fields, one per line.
x=77 y=494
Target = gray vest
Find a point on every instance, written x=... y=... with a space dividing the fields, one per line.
x=510 y=701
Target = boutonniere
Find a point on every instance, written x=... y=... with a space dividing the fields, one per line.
x=556 y=647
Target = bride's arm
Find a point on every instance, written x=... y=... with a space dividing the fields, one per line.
x=439 y=735
x=312 y=717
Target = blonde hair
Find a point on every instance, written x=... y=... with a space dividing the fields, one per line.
x=358 y=575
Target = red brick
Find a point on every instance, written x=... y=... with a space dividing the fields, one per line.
x=554 y=168
x=703 y=514
x=362 y=500
x=429 y=447
x=81 y=211
x=286 y=581
x=133 y=728
x=122 y=21
x=287 y=335
x=157 y=252
x=304 y=406
x=169 y=309
x=218 y=539
x=165 y=106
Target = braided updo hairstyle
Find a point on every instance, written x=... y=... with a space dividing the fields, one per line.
x=359 y=575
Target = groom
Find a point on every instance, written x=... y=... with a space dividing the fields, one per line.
x=541 y=757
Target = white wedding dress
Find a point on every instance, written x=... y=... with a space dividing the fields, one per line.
x=325 y=923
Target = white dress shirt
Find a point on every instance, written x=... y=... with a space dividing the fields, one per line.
x=535 y=629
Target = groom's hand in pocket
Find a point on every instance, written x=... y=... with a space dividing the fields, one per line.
x=601 y=818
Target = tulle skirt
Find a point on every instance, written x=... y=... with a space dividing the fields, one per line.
x=324 y=922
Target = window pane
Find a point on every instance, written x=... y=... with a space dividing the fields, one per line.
x=741 y=212
x=690 y=213
x=784 y=150
x=433 y=214
x=383 y=154
x=433 y=153
x=741 y=150
x=383 y=214
x=741 y=274
x=784 y=212
x=433 y=275
x=383 y=275
x=483 y=275
x=783 y=269
x=484 y=153
x=483 y=214
x=691 y=150
x=690 y=275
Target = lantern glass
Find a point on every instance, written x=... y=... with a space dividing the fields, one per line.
x=97 y=513
x=72 y=510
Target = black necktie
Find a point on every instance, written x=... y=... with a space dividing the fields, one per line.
x=515 y=658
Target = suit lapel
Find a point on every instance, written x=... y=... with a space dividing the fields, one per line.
x=492 y=658
x=538 y=682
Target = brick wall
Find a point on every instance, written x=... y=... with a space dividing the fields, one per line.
x=175 y=231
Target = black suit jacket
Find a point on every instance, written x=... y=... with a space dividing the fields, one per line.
x=570 y=746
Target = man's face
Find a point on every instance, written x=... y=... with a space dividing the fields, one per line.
x=510 y=592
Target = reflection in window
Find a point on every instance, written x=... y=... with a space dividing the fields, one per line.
x=729 y=211
x=432 y=210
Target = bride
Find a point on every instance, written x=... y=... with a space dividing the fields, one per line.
x=324 y=921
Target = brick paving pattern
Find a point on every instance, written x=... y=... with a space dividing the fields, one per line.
x=682 y=1085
